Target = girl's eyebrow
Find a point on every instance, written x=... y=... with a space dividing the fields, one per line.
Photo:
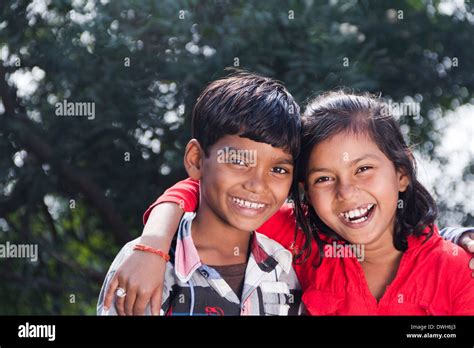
x=316 y=169
x=352 y=163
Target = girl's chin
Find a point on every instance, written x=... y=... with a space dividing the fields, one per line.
x=359 y=238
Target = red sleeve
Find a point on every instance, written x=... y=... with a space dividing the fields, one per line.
x=184 y=193
x=281 y=226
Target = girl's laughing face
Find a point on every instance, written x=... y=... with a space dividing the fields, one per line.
x=354 y=187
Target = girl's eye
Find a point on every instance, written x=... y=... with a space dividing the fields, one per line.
x=322 y=179
x=363 y=169
x=280 y=170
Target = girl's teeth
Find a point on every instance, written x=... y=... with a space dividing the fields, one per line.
x=359 y=220
x=355 y=213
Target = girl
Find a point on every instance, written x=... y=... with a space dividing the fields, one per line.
x=362 y=195
x=361 y=189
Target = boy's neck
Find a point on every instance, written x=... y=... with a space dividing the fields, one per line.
x=217 y=242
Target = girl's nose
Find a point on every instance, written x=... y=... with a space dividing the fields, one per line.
x=346 y=191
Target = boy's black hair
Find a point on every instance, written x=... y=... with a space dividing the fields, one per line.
x=336 y=112
x=251 y=106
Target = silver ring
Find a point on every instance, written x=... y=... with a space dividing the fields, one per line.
x=120 y=292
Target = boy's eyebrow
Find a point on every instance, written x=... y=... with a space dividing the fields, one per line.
x=231 y=148
x=282 y=160
x=353 y=162
x=285 y=160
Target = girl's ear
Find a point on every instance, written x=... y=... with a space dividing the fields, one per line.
x=403 y=178
x=403 y=181
x=193 y=157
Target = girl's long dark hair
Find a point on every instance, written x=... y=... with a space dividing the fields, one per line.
x=336 y=112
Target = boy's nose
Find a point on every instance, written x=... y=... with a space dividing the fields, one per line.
x=256 y=184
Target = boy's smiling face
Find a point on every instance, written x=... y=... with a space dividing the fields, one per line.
x=354 y=187
x=243 y=182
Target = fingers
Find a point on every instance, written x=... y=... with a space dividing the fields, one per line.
x=470 y=245
x=124 y=305
x=110 y=294
x=468 y=242
x=120 y=301
x=120 y=305
x=134 y=302
x=140 y=303
x=155 y=302
x=130 y=299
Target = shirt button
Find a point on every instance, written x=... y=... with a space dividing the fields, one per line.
x=205 y=274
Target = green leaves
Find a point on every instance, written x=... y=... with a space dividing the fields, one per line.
x=118 y=54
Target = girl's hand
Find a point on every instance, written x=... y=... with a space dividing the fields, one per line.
x=142 y=274
x=467 y=242
x=142 y=277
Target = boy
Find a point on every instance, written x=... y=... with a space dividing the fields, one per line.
x=246 y=131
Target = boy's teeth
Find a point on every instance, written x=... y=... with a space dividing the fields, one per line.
x=247 y=204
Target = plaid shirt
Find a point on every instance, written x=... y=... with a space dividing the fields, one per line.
x=193 y=288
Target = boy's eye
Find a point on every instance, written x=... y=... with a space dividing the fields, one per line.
x=280 y=170
x=322 y=179
x=363 y=169
x=238 y=161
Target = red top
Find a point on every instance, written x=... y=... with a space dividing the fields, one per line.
x=432 y=278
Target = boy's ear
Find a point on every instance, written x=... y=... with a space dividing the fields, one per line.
x=193 y=157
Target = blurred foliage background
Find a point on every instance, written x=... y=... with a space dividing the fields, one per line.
x=78 y=187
